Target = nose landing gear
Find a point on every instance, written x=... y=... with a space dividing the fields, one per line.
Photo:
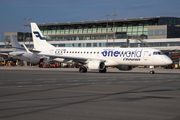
x=152 y=69
x=152 y=72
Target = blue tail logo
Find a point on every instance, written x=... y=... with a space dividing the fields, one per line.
x=38 y=35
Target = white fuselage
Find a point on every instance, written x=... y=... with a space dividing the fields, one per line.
x=112 y=56
x=33 y=58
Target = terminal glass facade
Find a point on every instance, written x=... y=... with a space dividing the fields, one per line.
x=21 y=37
x=97 y=31
x=111 y=29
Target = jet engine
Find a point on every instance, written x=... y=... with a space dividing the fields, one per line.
x=125 y=67
x=96 y=65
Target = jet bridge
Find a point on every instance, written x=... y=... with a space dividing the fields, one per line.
x=142 y=41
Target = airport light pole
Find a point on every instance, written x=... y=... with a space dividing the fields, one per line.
x=107 y=29
x=114 y=27
x=24 y=29
x=29 y=30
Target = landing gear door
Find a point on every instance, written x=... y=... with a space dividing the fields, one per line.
x=146 y=55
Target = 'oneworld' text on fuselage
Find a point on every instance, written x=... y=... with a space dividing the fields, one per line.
x=114 y=53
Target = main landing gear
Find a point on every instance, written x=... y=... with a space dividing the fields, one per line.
x=82 y=69
x=152 y=69
x=103 y=71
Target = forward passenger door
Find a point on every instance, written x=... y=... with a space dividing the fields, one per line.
x=146 y=55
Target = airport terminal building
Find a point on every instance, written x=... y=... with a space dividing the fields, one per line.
x=117 y=33
x=159 y=32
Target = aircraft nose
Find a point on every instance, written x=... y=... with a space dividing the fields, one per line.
x=168 y=61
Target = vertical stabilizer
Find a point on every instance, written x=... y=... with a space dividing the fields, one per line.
x=15 y=44
x=38 y=38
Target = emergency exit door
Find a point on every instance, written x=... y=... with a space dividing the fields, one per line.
x=145 y=55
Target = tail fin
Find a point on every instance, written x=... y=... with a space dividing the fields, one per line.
x=38 y=38
x=15 y=44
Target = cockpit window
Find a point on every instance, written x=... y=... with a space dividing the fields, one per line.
x=157 y=53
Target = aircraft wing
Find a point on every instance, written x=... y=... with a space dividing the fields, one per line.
x=75 y=59
x=4 y=55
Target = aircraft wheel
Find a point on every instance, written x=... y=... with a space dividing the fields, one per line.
x=152 y=72
x=103 y=71
x=82 y=69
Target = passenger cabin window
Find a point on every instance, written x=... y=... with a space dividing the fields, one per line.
x=157 y=53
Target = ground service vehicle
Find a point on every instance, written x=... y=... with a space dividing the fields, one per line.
x=11 y=63
x=43 y=65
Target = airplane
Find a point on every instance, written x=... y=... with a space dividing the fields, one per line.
x=100 y=58
x=20 y=53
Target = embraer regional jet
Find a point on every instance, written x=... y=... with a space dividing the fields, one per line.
x=100 y=58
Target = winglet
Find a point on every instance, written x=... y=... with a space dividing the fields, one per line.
x=27 y=49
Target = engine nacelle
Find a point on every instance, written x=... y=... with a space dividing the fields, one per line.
x=96 y=65
x=125 y=67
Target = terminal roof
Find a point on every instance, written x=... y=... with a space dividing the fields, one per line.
x=102 y=21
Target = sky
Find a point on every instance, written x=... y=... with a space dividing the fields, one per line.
x=12 y=12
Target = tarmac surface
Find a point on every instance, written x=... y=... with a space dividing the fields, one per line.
x=28 y=93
